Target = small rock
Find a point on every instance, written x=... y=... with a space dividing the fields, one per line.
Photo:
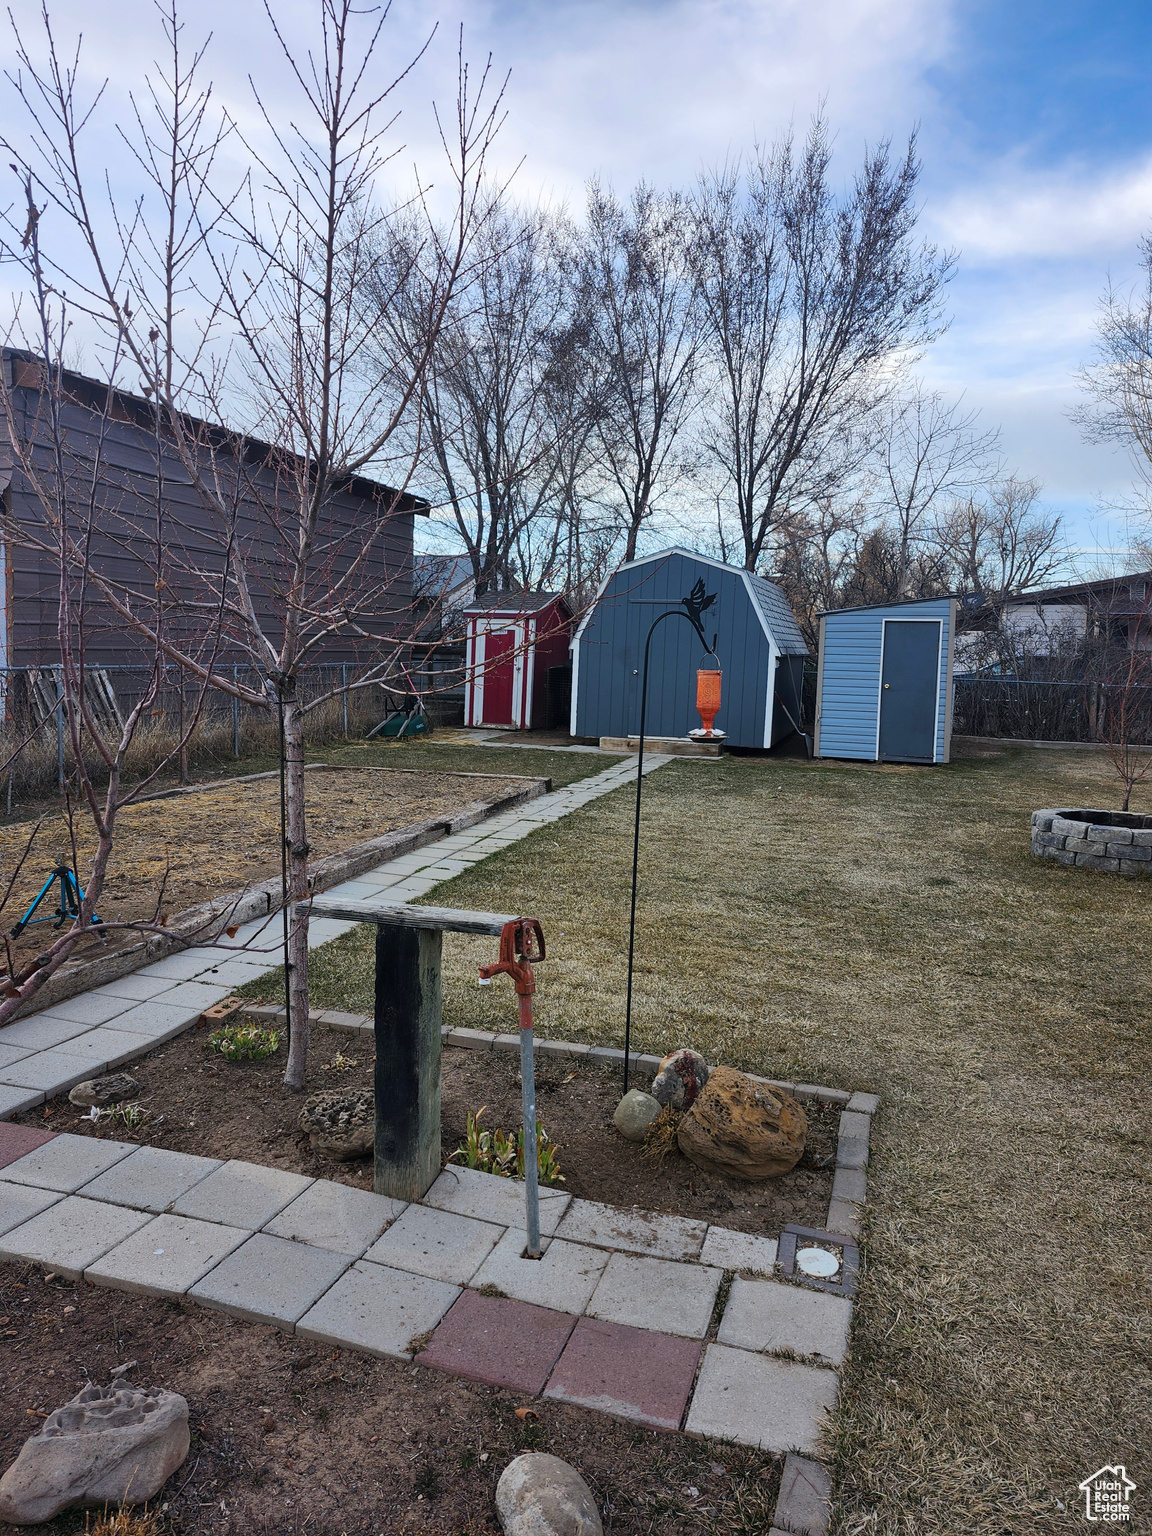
x=113 y=1089
x=635 y=1113
x=341 y=1125
x=743 y=1129
x=679 y=1078
x=540 y=1495
x=109 y=1445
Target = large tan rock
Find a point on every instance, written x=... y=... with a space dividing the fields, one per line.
x=109 y=1445
x=743 y=1129
x=540 y=1495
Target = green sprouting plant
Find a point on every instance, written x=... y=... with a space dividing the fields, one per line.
x=130 y=1116
x=244 y=1042
x=498 y=1152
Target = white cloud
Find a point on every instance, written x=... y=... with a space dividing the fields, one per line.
x=1057 y=214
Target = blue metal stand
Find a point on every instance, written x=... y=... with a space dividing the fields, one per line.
x=67 y=906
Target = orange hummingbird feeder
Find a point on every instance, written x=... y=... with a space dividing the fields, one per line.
x=708 y=702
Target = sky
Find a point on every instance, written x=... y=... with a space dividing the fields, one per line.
x=1034 y=122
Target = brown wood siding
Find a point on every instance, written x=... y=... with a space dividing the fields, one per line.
x=125 y=541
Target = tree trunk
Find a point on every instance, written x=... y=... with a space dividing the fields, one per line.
x=296 y=981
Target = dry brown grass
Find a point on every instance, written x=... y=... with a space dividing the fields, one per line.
x=888 y=930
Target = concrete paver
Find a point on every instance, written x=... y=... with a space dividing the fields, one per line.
x=499 y=1341
x=135 y=988
x=89 y=1008
x=20 y=1202
x=101 y=1048
x=769 y=1315
x=165 y=1257
x=657 y=1294
x=632 y=1231
x=738 y=1250
x=13 y=1100
x=564 y=1278
x=627 y=1372
x=488 y=1197
x=150 y=1178
x=70 y=1235
x=242 y=1194
x=758 y=1401
x=66 y=1162
x=11 y=1054
x=41 y=1032
x=377 y=1309
x=235 y=971
x=336 y=1217
x=435 y=1243
x=158 y=1020
x=50 y=1072
x=182 y=966
x=18 y=1140
x=270 y=1279
x=804 y=1504
x=201 y=993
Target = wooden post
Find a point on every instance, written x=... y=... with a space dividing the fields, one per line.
x=408 y=1011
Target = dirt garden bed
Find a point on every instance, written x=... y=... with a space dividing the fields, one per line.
x=207 y=842
x=214 y=1108
x=291 y=1437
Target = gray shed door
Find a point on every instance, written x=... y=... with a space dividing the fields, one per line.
x=909 y=684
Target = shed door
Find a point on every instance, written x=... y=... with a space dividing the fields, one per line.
x=498 y=668
x=909 y=689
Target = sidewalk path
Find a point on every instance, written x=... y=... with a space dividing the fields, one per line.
x=618 y=1315
x=50 y=1052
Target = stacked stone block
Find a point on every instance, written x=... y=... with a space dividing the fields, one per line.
x=1089 y=840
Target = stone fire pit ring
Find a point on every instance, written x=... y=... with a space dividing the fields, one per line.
x=1115 y=842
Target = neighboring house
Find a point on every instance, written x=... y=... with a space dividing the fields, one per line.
x=517 y=642
x=146 y=503
x=758 y=643
x=1117 y=608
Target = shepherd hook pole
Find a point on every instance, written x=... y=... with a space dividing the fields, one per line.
x=691 y=609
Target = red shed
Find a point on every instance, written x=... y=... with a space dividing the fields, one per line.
x=513 y=639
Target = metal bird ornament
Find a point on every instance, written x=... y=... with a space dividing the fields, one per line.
x=696 y=603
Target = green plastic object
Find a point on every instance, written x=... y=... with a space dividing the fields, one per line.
x=403 y=725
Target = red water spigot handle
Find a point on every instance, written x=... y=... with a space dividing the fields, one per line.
x=521 y=941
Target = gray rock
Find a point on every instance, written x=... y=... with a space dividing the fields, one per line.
x=540 y=1495
x=340 y=1125
x=681 y=1076
x=109 y=1445
x=113 y=1089
x=635 y=1113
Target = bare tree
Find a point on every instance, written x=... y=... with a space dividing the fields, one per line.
x=644 y=329
x=282 y=266
x=499 y=429
x=1003 y=543
x=930 y=449
x=809 y=300
x=816 y=553
x=1120 y=700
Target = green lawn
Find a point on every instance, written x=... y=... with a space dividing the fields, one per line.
x=887 y=929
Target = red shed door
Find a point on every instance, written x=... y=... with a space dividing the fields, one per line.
x=498 y=669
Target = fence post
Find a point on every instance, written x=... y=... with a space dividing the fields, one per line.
x=344 y=682
x=236 y=714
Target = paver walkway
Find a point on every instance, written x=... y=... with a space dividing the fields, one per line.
x=51 y=1051
x=605 y=1319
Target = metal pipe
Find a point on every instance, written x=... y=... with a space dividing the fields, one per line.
x=344 y=684
x=236 y=714
x=528 y=1104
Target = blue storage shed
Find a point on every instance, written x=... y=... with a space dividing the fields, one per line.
x=759 y=645
x=884 y=687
